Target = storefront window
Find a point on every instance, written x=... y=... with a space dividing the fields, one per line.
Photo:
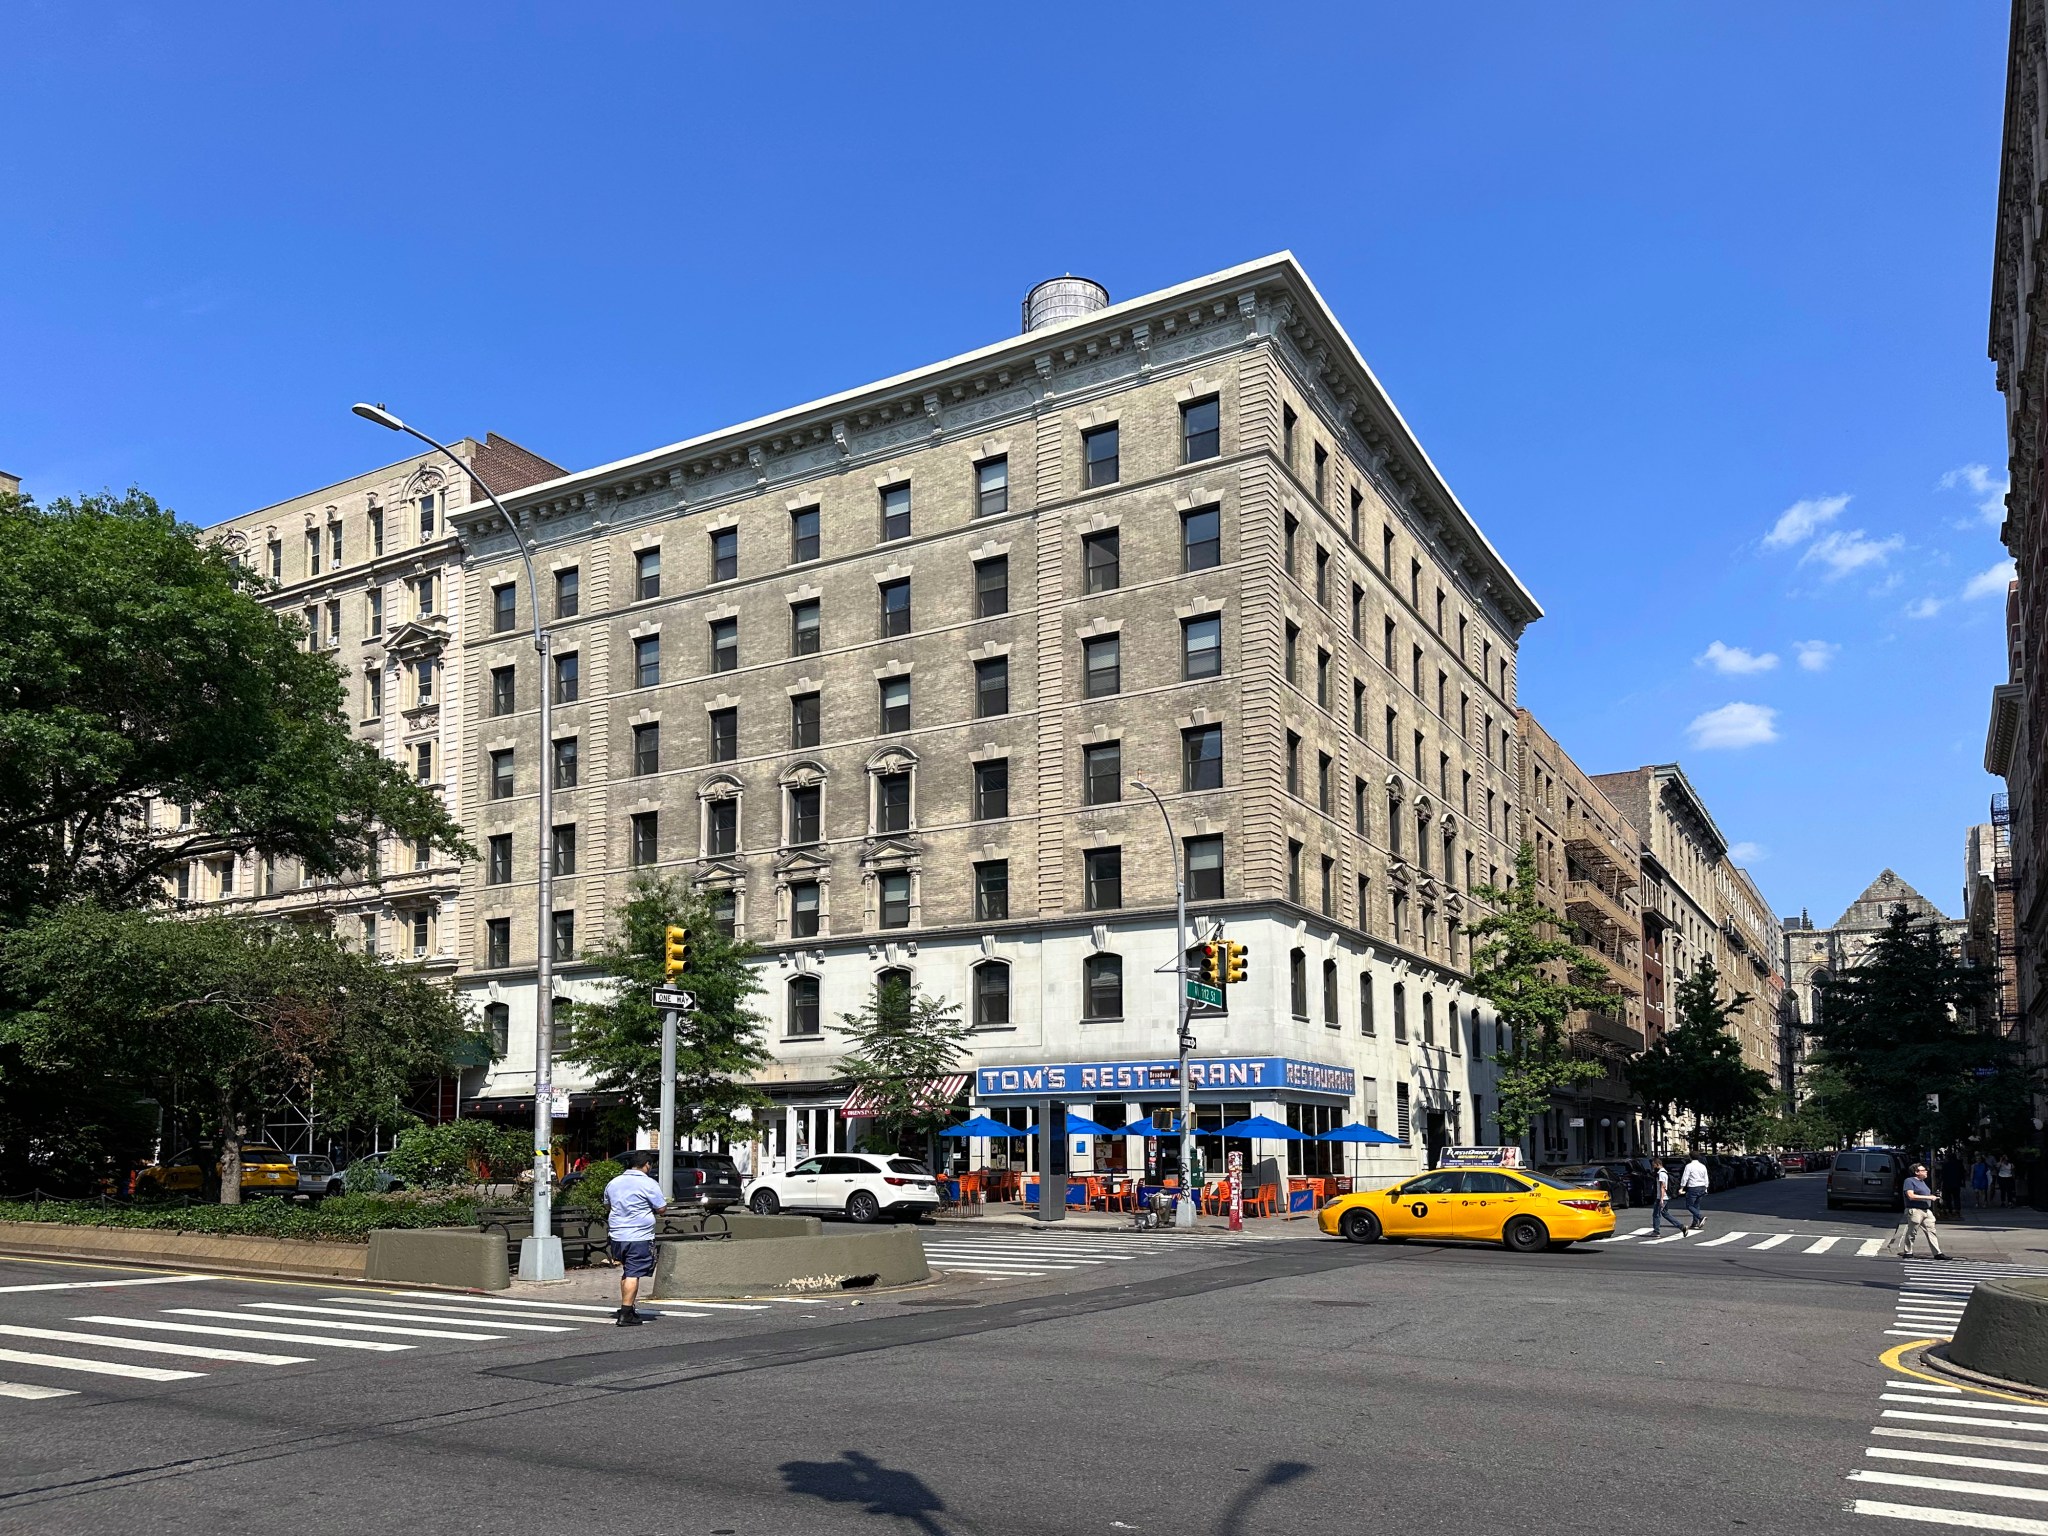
x=1315 y=1158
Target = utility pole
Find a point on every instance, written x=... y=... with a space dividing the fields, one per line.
x=1185 y=1209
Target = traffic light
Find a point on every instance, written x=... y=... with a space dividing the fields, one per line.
x=1233 y=968
x=676 y=960
x=1211 y=972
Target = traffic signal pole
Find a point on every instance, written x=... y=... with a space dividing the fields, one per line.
x=675 y=960
x=1184 y=1209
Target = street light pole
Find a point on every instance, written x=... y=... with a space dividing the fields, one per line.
x=1184 y=1209
x=540 y=1253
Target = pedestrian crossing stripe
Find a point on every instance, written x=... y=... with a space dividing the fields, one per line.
x=1816 y=1245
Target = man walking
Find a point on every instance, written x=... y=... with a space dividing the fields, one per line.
x=1660 y=1209
x=630 y=1202
x=1693 y=1182
x=1920 y=1202
x=1980 y=1181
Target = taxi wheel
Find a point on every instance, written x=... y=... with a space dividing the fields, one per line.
x=764 y=1203
x=1359 y=1227
x=1525 y=1234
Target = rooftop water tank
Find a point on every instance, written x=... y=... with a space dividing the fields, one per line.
x=1059 y=299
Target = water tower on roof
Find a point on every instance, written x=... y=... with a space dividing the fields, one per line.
x=1060 y=299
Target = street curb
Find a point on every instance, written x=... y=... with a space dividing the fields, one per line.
x=1935 y=1360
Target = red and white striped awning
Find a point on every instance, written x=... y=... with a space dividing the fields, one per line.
x=933 y=1094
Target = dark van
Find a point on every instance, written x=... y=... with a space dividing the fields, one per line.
x=1868 y=1176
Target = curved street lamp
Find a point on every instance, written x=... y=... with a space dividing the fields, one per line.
x=1184 y=1211
x=540 y=1253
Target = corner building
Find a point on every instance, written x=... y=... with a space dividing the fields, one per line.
x=879 y=671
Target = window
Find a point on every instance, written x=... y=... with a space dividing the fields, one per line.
x=1100 y=563
x=992 y=687
x=803 y=1006
x=497 y=1021
x=806 y=804
x=1322 y=576
x=804 y=909
x=1290 y=647
x=1297 y=982
x=1290 y=536
x=1104 y=666
x=1415 y=670
x=1323 y=765
x=1201 y=757
x=803 y=534
x=1104 y=868
x=427 y=506
x=1287 y=423
x=991 y=487
x=497 y=943
x=568 y=593
x=1358 y=708
x=334 y=622
x=1323 y=678
x=376 y=530
x=1439 y=612
x=504 y=608
x=992 y=890
x=1415 y=583
x=568 y=672
x=1393 y=733
x=1358 y=811
x=1201 y=435
x=803 y=628
x=502 y=681
x=1401 y=1015
x=805 y=713
x=895 y=611
x=896 y=512
x=646 y=839
x=725 y=554
x=725 y=910
x=565 y=936
x=725 y=645
x=373 y=692
x=1102 y=987
x=1293 y=871
x=373 y=612
x=276 y=560
x=423 y=681
x=992 y=789
x=895 y=896
x=565 y=850
x=991 y=587
x=1401 y=1126
x=991 y=995
x=1330 y=994
x=501 y=774
x=499 y=865
x=1293 y=764
x=725 y=735
x=1203 y=874
x=895 y=697
x=1201 y=647
x=1366 y=1023
x=1387 y=644
x=1454 y=1028
x=647 y=749
x=1201 y=539
x=1321 y=461
x=646 y=574
x=722 y=826
x=1429 y=1018
x=892 y=801
x=423 y=761
x=1329 y=902
x=1099 y=457
x=1102 y=773
x=646 y=661
x=565 y=763
x=312 y=551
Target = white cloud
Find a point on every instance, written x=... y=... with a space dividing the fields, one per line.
x=1843 y=552
x=1815 y=655
x=1734 y=659
x=1734 y=725
x=1989 y=489
x=1924 y=607
x=1746 y=853
x=1991 y=583
x=1803 y=519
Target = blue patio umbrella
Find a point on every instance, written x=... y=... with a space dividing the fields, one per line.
x=1263 y=1128
x=1143 y=1126
x=1080 y=1125
x=1364 y=1135
x=981 y=1125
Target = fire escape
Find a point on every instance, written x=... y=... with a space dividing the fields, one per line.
x=2004 y=915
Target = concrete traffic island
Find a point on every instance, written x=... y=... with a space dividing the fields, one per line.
x=2004 y=1333
x=808 y=1260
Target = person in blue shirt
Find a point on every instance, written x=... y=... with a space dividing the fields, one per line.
x=630 y=1202
x=1920 y=1201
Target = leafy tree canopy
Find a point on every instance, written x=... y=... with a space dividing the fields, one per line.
x=1697 y=1068
x=900 y=1041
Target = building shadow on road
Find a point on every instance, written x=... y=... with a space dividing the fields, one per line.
x=857 y=1478
x=1237 y=1515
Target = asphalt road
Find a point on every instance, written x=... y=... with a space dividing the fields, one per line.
x=1293 y=1384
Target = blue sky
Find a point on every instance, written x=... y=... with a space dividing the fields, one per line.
x=1688 y=302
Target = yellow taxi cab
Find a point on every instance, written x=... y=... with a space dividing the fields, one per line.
x=1518 y=1209
x=265 y=1171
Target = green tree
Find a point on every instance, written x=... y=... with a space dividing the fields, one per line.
x=471 y=1151
x=719 y=1046
x=901 y=1040
x=136 y=667
x=1901 y=1025
x=1536 y=980
x=1697 y=1068
x=219 y=1017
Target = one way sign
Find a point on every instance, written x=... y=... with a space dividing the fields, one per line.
x=669 y=997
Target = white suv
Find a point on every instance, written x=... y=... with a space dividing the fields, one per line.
x=863 y=1185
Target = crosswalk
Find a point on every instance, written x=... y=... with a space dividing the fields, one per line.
x=1029 y=1255
x=1933 y=1294
x=62 y=1358
x=1814 y=1244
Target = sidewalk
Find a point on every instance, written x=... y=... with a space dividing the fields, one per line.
x=2014 y=1235
x=1011 y=1215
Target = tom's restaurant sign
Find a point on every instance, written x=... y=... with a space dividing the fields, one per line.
x=1249 y=1075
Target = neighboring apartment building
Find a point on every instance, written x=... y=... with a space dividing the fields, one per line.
x=2019 y=299
x=372 y=568
x=1748 y=957
x=1990 y=940
x=10 y=485
x=880 y=672
x=1589 y=872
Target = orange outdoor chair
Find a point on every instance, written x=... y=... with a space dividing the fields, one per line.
x=1263 y=1201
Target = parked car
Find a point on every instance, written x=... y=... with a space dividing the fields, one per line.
x=1610 y=1177
x=1868 y=1176
x=317 y=1178
x=1792 y=1162
x=864 y=1185
x=379 y=1177
x=266 y=1170
x=707 y=1181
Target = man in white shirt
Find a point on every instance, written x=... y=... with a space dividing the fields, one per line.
x=631 y=1201
x=1660 y=1211
x=1693 y=1183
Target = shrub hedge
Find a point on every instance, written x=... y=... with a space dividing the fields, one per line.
x=343 y=1218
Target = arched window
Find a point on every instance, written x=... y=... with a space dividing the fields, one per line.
x=1330 y=993
x=1455 y=1026
x=1400 y=1011
x=1428 y=1018
x=1297 y=981
x=803 y=1006
x=498 y=1021
x=991 y=995
x=893 y=990
x=1367 y=1024
x=1102 y=987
